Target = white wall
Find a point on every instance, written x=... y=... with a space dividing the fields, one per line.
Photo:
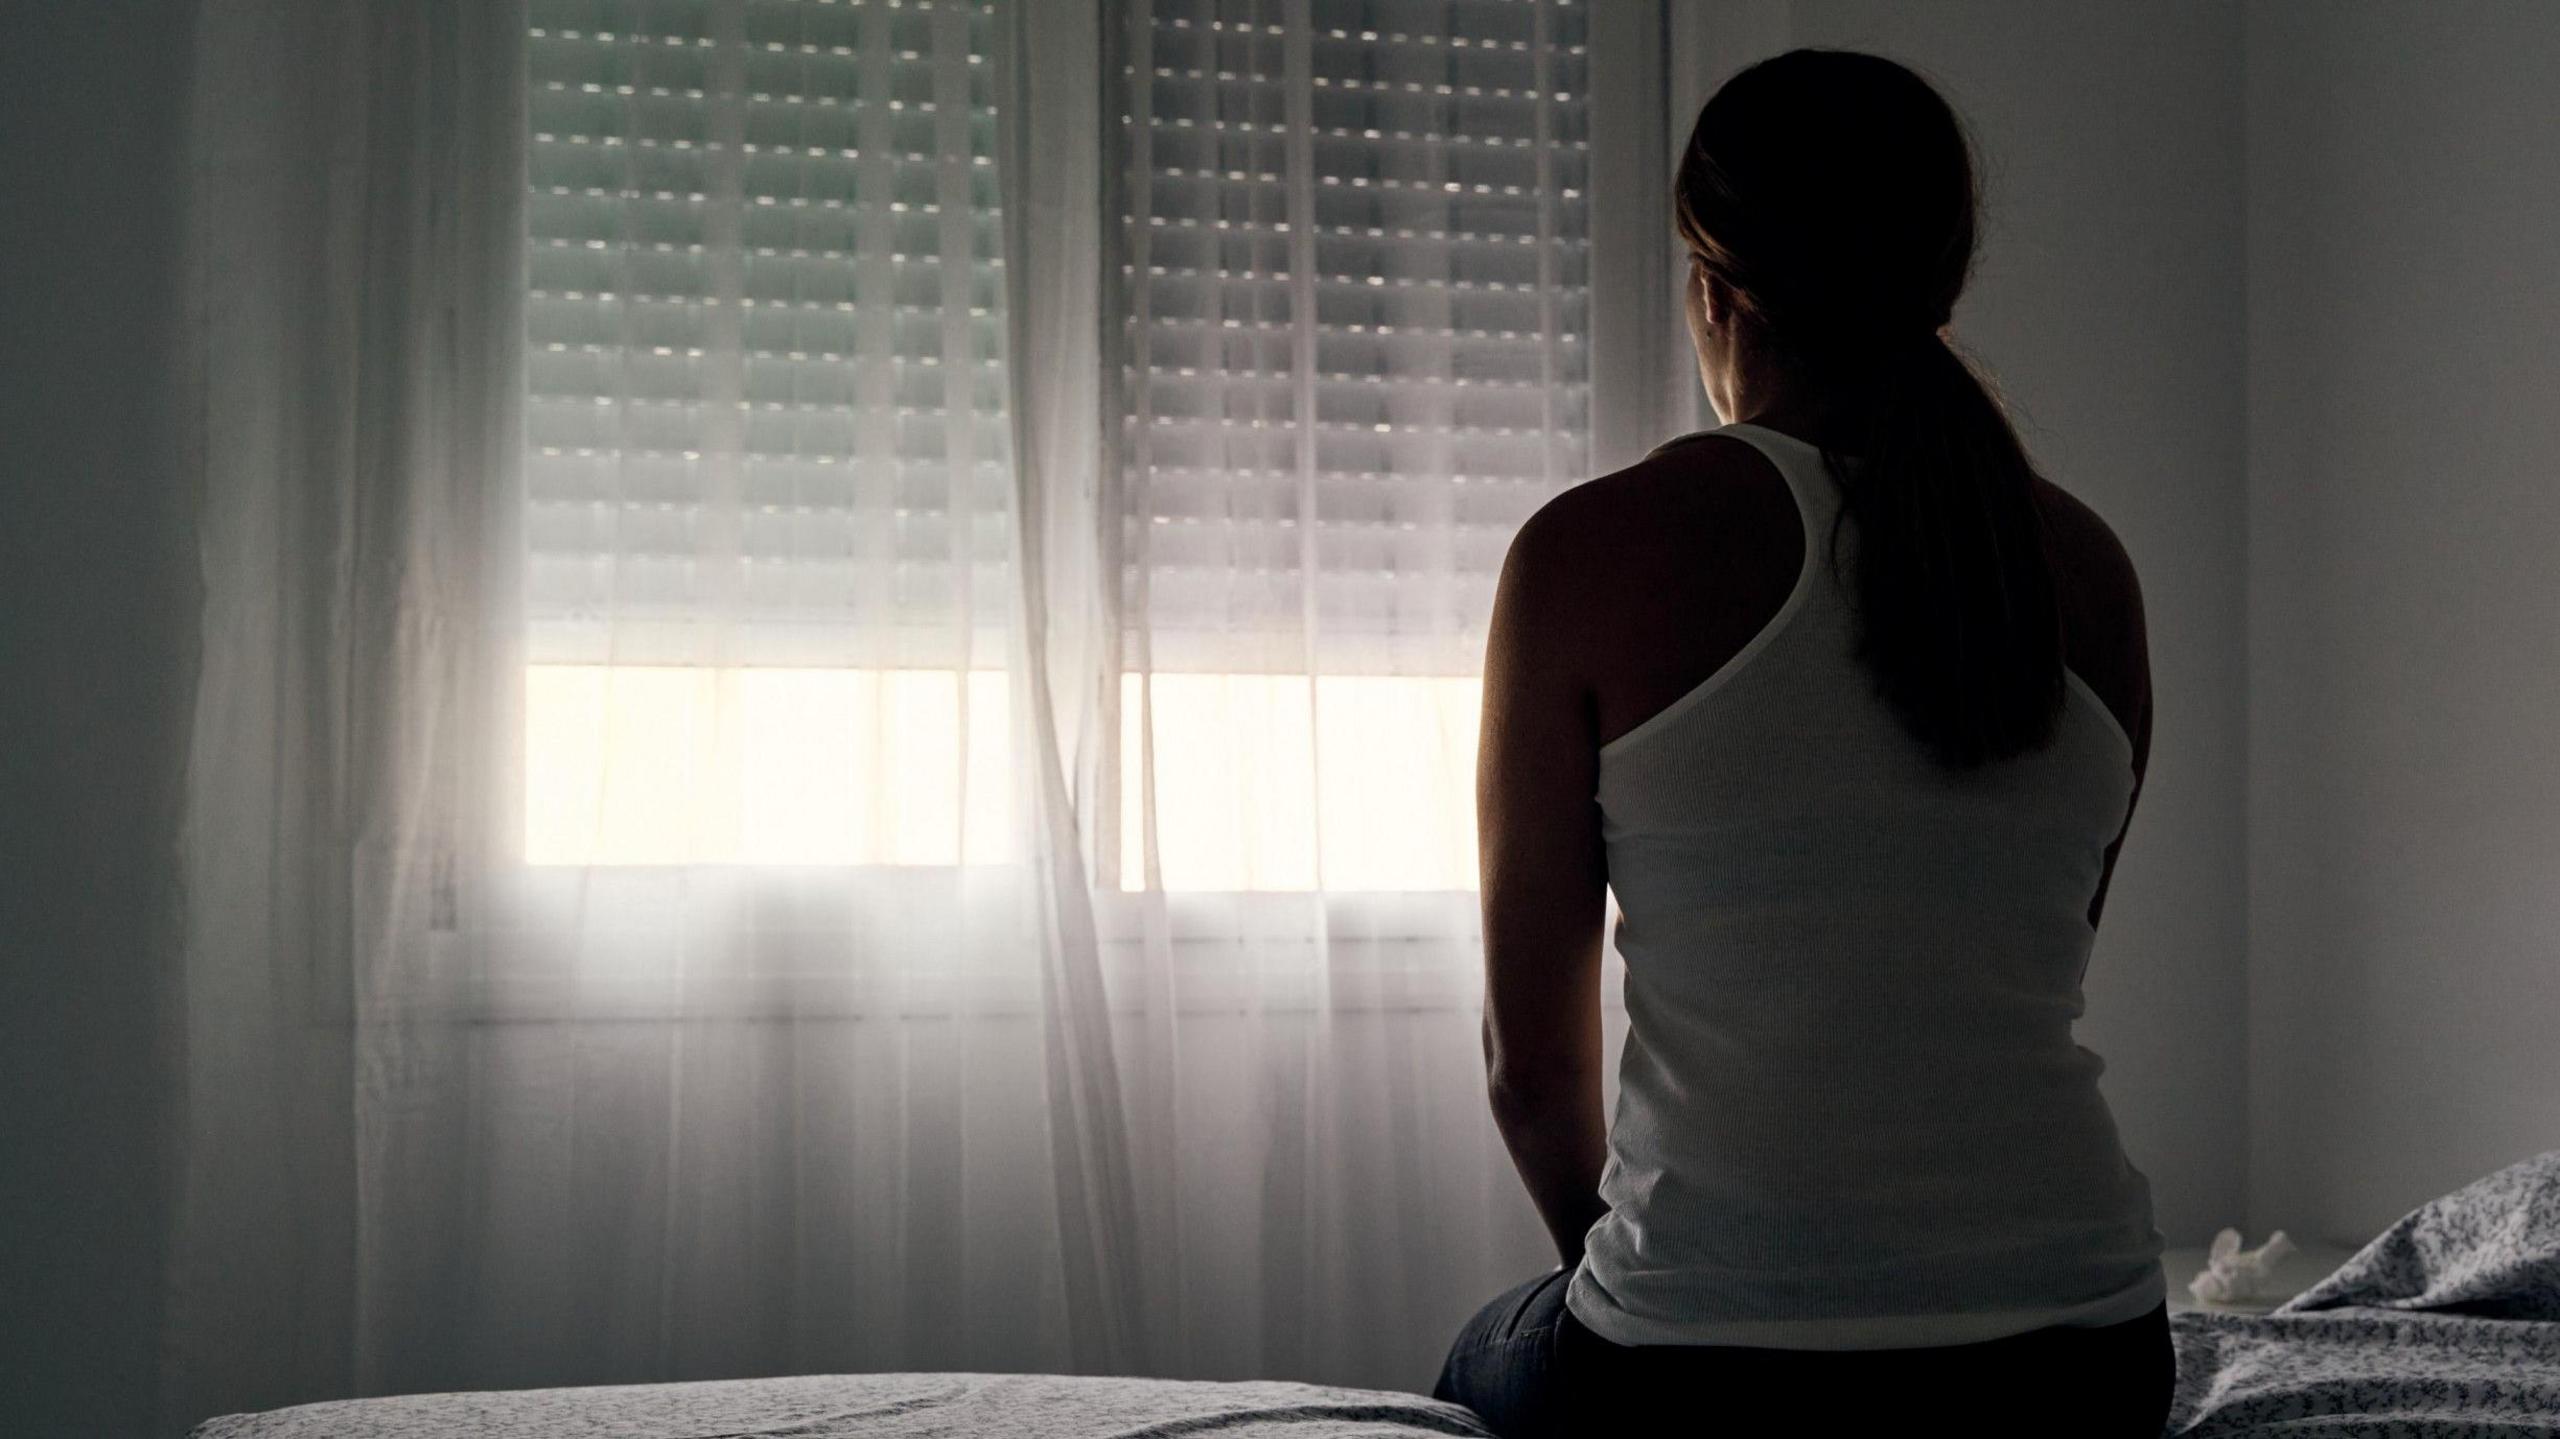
x=2404 y=648
x=97 y=676
x=2109 y=305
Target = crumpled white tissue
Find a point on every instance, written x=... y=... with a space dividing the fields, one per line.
x=2233 y=1275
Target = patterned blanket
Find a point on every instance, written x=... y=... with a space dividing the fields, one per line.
x=2447 y=1326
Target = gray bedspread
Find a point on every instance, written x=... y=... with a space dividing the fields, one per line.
x=2372 y=1373
x=871 y=1406
x=2446 y=1326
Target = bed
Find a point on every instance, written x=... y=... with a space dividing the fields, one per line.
x=2447 y=1326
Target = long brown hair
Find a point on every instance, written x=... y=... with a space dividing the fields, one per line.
x=1833 y=193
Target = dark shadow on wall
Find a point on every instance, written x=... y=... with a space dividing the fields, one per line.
x=98 y=647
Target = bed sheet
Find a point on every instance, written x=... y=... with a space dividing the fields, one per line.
x=872 y=1406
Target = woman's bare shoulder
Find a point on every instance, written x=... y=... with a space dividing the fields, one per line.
x=2089 y=550
x=2107 y=642
x=1680 y=480
x=1634 y=578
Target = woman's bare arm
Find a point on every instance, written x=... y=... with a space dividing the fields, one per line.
x=2141 y=737
x=2111 y=642
x=1545 y=879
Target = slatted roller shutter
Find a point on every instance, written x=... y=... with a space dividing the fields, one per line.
x=765 y=414
x=1357 y=321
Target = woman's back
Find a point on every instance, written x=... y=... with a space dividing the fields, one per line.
x=1851 y=1112
x=1692 y=552
x=1705 y=544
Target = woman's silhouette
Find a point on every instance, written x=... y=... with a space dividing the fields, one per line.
x=1850 y=708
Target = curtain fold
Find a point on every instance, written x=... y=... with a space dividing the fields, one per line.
x=837 y=719
x=354 y=284
x=1050 y=63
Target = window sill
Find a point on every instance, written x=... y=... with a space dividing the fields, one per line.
x=775 y=945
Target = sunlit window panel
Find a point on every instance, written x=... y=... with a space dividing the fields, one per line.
x=1233 y=784
x=1396 y=781
x=767 y=485
x=1369 y=787
x=680 y=765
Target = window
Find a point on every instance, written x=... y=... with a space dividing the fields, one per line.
x=767 y=484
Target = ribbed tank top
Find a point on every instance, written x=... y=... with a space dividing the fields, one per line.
x=1851 y=1112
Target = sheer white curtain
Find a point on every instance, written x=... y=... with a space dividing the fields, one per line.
x=1348 y=305
x=839 y=694
x=624 y=944
x=352 y=354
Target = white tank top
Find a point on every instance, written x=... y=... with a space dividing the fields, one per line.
x=1851 y=1114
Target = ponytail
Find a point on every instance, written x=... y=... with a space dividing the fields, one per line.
x=1960 y=621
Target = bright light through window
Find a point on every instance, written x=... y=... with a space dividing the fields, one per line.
x=664 y=764
x=1385 y=763
x=1370 y=787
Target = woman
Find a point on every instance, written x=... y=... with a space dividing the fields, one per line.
x=1850 y=707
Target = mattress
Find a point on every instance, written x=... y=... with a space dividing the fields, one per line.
x=872 y=1406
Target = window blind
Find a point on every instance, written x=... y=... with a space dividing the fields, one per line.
x=765 y=411
x=1356 y=299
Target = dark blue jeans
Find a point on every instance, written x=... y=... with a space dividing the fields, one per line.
x=1530 y=1369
